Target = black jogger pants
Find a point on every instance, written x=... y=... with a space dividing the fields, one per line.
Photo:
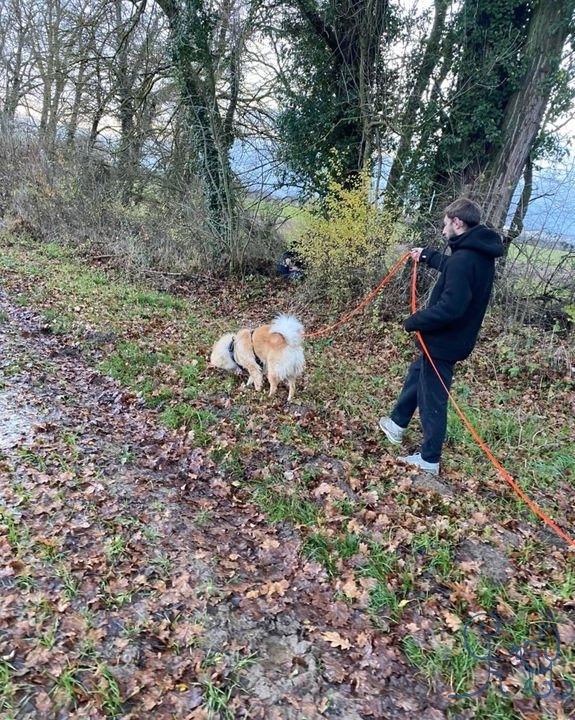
x=424 y=390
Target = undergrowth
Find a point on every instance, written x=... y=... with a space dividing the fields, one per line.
x=391 y=543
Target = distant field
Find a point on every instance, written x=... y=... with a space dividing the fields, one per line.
x=542 y=262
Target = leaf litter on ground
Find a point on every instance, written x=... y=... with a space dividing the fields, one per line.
x=262 y=561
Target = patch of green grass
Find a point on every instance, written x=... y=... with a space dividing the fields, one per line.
x=13 y=367
x=488 y=593
x=9 y=691
x=115 y=600
x=190 y=372
x=382 y=566
x=71 y=584
x=318 y=547
x=34 y=459
x=346 y=507
x=107 y=690
x=346 y=545
x=203 y=517
x=280 y=507
x=220 y=682
x=191 y=375
x=162 y=564
x=156 y=396
x=48 y=550
x=329 y=551
x=509 y=432
x=433 y=662
x=94 y=279
x=195 y=420
x=566 y=589
x=126 y=455
x=77 y=683
x=231 y=462
x=15 y=530
x=70 y=688
x=493 y=706
x=385 y=600
x=442 y=560
x=129 y=362
x=558 y=464
x=536 y=255
x=56 y=251
x=26 y=581
x=116 y=547
x=47 y=638
x=141 y=298
x=219 y=453
x=290 y=433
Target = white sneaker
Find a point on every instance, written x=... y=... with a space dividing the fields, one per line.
x=393 y=432
x=417 y=461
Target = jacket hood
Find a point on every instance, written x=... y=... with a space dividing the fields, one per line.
x=479 y=238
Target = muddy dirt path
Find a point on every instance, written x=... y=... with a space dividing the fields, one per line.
x=132 y=566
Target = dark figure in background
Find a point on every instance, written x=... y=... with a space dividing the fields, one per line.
x=449 y=326
x=290 y=266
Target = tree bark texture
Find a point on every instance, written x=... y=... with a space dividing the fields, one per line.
x=398 y=180
x=549 y=28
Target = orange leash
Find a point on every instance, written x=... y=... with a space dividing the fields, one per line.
x=363 y=303
x=506 y=476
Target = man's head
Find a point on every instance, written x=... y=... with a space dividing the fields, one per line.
x=460 y=216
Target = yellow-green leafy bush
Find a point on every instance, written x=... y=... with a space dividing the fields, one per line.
x=343 y=238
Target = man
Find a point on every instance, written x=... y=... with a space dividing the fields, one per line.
x=449 y=326
x=290 y=266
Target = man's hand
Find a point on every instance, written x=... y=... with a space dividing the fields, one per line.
x=416 y=253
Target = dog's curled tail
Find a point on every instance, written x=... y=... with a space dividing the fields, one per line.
x=290 y=327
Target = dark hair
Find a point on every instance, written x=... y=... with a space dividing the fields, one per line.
x=466 y=210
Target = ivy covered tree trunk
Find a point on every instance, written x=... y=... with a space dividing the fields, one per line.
x=485 y=44
x=206 y=53
x=327 y=111
x=413 y=114
x=505 y=59
x=549 y=28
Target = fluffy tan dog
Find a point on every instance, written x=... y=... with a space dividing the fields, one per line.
x=274 y=349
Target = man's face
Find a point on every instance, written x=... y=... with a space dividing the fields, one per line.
x=452 y=227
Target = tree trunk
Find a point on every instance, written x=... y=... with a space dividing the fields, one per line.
x=398 y=179
x=207 y=44
x=548 y=30
x=353 y=41
x=516 y=227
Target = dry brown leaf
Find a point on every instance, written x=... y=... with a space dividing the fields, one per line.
x=277 y=588
x=452 y=621
x=270 y=543
x=350 y=589
x=354 y=526
x=336 y=640
x=566 y=632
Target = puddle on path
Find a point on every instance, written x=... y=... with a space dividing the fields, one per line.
x=16 y=421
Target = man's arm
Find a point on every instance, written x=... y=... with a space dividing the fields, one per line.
x=430 y=257
x=451 y=305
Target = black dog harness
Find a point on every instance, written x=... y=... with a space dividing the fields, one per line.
x=231 y=351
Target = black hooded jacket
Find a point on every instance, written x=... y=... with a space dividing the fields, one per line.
x=450 y=323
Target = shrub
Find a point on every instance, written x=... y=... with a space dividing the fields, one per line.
x=343 y=239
